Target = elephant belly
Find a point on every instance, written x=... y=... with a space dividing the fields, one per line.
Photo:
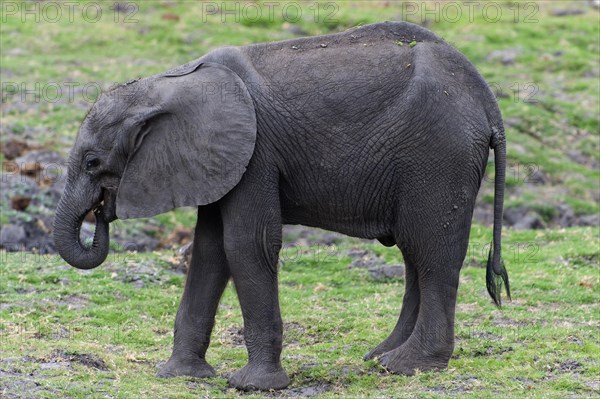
x=348 y=214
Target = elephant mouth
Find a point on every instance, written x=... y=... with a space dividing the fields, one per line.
x=105 y=206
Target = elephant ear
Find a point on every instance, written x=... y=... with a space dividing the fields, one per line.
x=192 y=144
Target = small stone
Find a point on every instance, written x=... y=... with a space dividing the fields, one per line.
x=589 y=220
x=567 y=12
x=530 y=222
x=138 y=283
x=506 y=56
x=567 y=215
x=11 y=235
x=294 y=29
x=387 y=272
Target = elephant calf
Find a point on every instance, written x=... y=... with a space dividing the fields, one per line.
x=382 y=131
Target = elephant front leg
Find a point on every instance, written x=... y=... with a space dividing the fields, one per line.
x=252 y=243
x=207 y=277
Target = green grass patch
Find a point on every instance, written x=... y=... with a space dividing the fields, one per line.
x=103 y=332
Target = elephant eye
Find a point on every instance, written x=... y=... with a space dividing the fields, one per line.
x=92 y=163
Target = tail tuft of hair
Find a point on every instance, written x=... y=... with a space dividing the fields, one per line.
x=495 y=277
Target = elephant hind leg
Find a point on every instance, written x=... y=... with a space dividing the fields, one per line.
x=408 y=313
x=431 y=343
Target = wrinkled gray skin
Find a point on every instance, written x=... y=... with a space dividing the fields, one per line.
x=348 y=132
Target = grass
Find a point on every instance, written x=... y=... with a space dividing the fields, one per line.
x=101 y=333
x=68 y=333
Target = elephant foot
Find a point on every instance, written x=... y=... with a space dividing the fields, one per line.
x=259 y=377
x=386 y=346
x=405 y=360
x=186 y=367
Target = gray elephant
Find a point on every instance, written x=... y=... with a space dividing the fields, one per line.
x=379 y=132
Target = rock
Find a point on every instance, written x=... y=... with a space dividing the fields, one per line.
x=580 y=158
x=589 y=220
x=512 y=122
x=531 y=221
x=38 y=236
x=12 y=185
x=294 y=29
x=506 y=56
x=357 y=253
x=365 y=262
x=523 y=218
x=123 y=7
x=139 y=283
x=12 y=236
x=484 y=213
x=566 y=216
x=386 y=272
x=513 y=215
x=567 y=12
x=537 y=177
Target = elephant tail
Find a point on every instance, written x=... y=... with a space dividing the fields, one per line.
x=496 y=274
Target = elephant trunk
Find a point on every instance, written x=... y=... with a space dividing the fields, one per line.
x=69 y=217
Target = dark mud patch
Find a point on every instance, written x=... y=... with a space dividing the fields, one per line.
x=232 y=337
x=23 y=386
x=73 y=301
x=569 y=365
x=308 y=391
x=63 y=359
x=489 y=351
x=29 y=377
x=293 y=334
x=139 y=273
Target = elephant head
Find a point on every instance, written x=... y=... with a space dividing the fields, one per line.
x=181 y=138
